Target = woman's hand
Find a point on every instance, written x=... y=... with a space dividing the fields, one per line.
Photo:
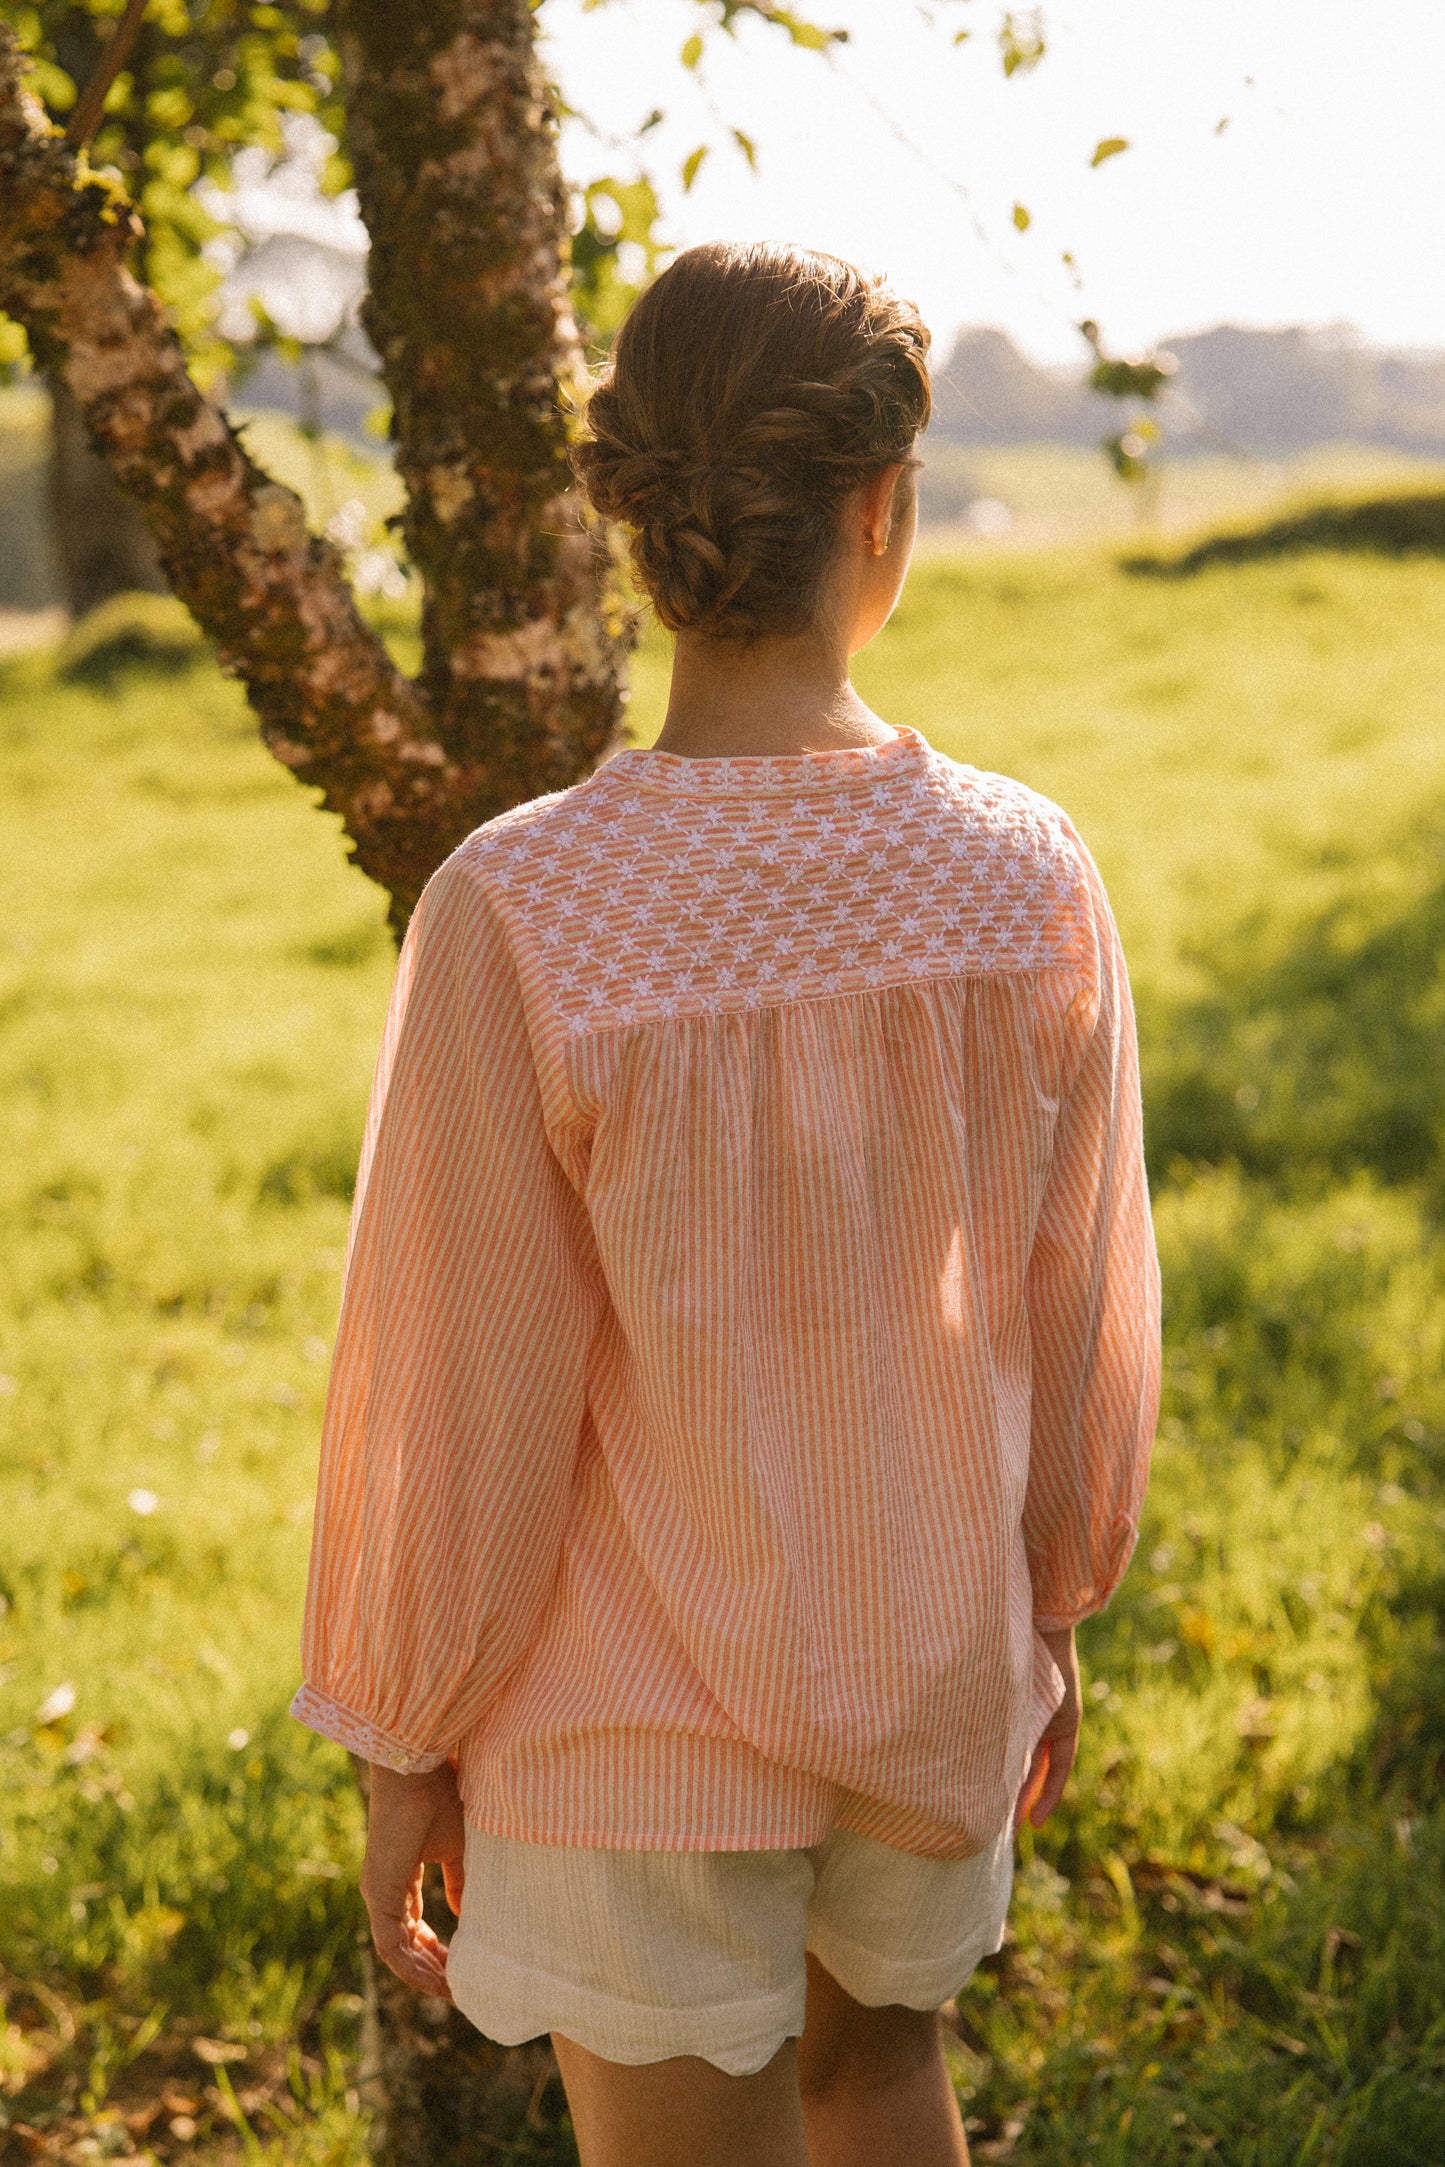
x=1043 y=1786
x=411 y=1820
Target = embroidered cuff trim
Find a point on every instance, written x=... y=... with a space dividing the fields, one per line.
x=320 y=1713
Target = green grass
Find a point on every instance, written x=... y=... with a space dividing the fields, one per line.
x=1231 y=1943
x=191 y=1002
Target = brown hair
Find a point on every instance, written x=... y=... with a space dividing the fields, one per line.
x=750 y=391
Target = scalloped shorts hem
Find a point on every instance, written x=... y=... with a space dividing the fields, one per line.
x=641 y=1956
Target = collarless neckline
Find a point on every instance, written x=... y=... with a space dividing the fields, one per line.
x=711 y=776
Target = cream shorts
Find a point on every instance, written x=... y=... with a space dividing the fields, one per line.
x=642 y=1955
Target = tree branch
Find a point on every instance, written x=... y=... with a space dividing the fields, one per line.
x=452 y=138
x=89 y=106
x=331 y=703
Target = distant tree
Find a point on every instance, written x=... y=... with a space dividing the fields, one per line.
x=102 y=545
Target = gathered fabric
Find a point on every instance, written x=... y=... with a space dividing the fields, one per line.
x=750 y=1332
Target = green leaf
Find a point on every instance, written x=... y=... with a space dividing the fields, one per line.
x=810 y=35
x=748 y=148
x=13 y=344
x=1021 y=41
x=692 y=51
x=692 y=166
x=615 y=250
x=1023 y=219
x=1109 y=146
x=1142 y=377
x=52 y=85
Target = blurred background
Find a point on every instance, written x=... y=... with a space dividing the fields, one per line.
x=1183 y=568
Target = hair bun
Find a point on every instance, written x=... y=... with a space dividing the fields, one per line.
x=749 y=392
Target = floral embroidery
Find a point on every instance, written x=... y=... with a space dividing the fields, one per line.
x=320 y=1713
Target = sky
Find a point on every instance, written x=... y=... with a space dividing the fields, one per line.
x=1320 y=201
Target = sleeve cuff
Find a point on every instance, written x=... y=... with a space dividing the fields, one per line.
x=320 y=1713
x=1089 y=1601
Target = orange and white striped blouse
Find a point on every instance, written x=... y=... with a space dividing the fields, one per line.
x=750 y=1328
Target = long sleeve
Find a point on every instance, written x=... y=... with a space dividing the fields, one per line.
x=457 y=1398
x=1093 y=1303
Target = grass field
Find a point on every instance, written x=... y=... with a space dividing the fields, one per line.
x=1059 y=494
x=1231 y=1943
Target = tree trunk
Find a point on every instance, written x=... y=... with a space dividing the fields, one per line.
x=101 y=543
x=332 y=704
x=521 y=690
x=451 y=131
x=529 y=694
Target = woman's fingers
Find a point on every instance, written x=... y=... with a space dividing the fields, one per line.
x=1033 y=1784
x=1061 y=1751
x=454 y=1880
x=407 y=1946
x=400 y=1934
x=1049 y=1772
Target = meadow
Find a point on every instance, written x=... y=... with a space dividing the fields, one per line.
x=1230 y=1943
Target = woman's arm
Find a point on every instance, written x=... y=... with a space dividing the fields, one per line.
x=458 y=1392
x=1093 y=1305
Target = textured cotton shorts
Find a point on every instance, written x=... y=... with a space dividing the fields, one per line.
x=642 y=1955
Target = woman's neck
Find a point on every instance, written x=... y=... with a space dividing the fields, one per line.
x=761 y=699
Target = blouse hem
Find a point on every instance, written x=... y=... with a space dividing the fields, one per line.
x=699 y=1793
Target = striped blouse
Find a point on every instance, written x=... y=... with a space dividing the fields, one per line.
x=750 y=1326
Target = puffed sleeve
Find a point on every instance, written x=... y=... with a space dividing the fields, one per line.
x=1093 y=1299
x=457 y=1397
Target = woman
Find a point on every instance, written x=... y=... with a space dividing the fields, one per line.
x=748 y=1359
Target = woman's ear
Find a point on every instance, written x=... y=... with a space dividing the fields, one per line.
x=876 y=506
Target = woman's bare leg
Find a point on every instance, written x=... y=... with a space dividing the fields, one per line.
x=875 y=2087
x=683 y=2112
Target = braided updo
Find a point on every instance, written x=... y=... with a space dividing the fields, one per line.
x=750 y=391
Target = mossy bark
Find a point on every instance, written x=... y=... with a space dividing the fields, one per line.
x=452 y=137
